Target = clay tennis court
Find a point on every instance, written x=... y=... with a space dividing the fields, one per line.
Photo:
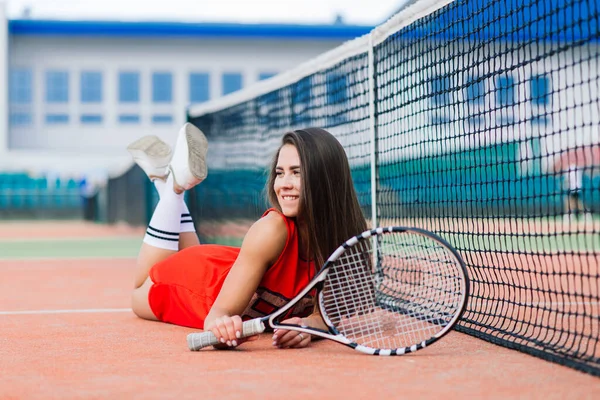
x=66 y=331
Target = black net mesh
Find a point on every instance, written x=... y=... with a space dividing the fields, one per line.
x=487 y=132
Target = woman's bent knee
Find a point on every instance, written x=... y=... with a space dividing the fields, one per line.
x=139 y=302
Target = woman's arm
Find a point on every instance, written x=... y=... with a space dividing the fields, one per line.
x=262 y=246
x=284 y=339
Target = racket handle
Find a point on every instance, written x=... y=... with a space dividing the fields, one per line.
x=200 y=340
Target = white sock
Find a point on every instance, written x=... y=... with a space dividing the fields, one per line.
x=186 y=223
x=163 y=230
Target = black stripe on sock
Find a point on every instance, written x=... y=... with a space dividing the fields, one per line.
x=187 y=221
x=164 y=232
x=162 y=238
x=186 y=215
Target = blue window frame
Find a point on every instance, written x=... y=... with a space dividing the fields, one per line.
x=231 y=82
x=540 y=86
x=91 y=87
x=266 y=75
x=129 y=87
x=505 y=91
x=301 y=95
x=337 y=94
x=20 y=118
x=542 y=120
x=162 y=87
x=439 y=119
x=53 y=119
x=336 y=88
x=268 y=109
x=199 y=87
x=129 y=119
x=91 y=119
x=475 y=90
x=162 y=119
x=57 y=86
x=20 y=88
x=440 y=90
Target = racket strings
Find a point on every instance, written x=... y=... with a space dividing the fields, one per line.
x=393 y=293
x=351 y=293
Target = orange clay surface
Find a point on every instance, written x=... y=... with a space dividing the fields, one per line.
x=66 y=332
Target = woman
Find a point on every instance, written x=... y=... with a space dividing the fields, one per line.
x=213 y=287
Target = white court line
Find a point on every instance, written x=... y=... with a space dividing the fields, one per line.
x=83 y=258
x=84 y=311
x=72 y=239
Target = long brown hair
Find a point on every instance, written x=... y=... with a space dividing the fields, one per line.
x=328 y=203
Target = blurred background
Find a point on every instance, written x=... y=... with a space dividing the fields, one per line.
x=85 y=78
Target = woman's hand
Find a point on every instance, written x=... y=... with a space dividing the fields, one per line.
x=285 y=339
x=229 y=331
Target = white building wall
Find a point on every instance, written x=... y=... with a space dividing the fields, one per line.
x=76 y=146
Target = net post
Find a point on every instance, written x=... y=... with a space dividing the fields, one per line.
x=373 y=135
x=372 y=132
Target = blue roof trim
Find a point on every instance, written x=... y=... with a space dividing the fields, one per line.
x=183 y=29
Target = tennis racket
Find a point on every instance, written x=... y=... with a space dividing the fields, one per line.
x=387 y=291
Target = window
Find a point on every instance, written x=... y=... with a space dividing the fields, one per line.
x=268 y=109
x=91 y=119
x=20 y=118
x=91 y=87
x=20 y=86
x=301 y=92
x=337 y=95
x=266 y=75
x=475 y=90
x=232 y=82
x=505 y=91
x=162 y=119
x=162 y=87
x=440 y=90
x=129 y=87
x=129 y=119
x=20 y=96
x=57 y=86
x=52 y=119
x=336 y=89
x=540 y=90
x=199 y=87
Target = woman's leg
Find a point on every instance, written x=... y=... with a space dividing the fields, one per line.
x=139 y=301
x=150 y=255
x=171 y=216
x=187 y=231
x=160 y=242
x=162 y=235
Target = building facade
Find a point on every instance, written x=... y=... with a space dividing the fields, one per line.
x=78 y=92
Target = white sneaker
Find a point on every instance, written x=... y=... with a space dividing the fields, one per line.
x=188 y=164
x=152 y=155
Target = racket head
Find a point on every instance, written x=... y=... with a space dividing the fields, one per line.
x=393 y=290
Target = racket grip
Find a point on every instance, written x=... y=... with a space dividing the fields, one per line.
x=200 y=340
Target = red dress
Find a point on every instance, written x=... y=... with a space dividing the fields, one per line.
x=187 y=284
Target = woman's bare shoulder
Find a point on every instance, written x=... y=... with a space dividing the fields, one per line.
x=271 y=224
x=268 y=234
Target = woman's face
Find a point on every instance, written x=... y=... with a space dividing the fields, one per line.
x=288 y=181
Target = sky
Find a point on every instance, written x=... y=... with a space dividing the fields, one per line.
x=360 y=12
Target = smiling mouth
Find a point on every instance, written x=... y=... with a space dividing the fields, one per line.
x=289 y=198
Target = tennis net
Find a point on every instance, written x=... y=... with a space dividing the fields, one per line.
x=476 y=119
